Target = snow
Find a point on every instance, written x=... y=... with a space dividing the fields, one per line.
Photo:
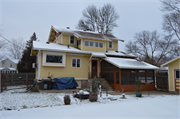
x=129 y=63
x=51 y=106
x=114 y=53
x=98 y=54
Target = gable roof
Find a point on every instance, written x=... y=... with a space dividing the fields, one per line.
x=86 y=34
x=165 y=64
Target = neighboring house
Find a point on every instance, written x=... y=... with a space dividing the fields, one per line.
x=173 y=74
x=9 y=65
x=85 y=54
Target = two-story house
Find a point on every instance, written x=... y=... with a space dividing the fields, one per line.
x=9 y=65
x=85 y=54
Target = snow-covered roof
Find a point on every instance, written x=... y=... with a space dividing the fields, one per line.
x=166 y=64
x=62 y=48
x=12 y=69
x=86 y=34
x=119 y=53
x=98 y=54
x=129 y=63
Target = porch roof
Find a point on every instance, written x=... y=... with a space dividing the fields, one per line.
x=98 y=54
x=126 y=63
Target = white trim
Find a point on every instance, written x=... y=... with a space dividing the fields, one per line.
x=39 y=63
x=170 y=61
x=81 y=43
x=76 y=54
x=70 y=40
x=63 y=64
x=175 y=75
x=112 y=44
x=76 y=62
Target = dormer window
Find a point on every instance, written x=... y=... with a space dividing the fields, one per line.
x=110 y=45
x=2 y=64
x=71 y=40
x=11 y=65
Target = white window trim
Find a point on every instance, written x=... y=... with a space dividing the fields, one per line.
x=76 y=62
x=70 y=40
x=93 y=44
x=175 y=73
x=63 y=64
x=112 y=44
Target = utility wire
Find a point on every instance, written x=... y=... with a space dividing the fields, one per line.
x=10 y=42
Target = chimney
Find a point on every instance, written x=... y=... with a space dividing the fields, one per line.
x=68 y=27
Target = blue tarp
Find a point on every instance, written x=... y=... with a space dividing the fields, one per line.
x=64 y=83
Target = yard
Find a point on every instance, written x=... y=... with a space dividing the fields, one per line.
x=51 y=106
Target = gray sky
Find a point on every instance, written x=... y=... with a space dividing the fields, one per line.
x=22 y=18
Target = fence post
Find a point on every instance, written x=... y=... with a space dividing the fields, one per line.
x=27 y=78
x=12 y=79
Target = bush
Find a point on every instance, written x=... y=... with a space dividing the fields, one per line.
x=138 y=85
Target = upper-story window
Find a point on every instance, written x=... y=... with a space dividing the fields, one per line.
x=11 y=65
x=110 y=45
x=93 y=44
x=71 y=40
x=2 y=64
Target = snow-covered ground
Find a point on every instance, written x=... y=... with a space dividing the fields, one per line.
x=51 y=106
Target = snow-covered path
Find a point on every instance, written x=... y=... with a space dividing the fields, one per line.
x=157 y=107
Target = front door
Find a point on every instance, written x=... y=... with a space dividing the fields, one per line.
x=177 y=79
x=93 y=68
x=116 y=80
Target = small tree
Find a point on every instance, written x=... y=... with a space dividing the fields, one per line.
x=25 y=64
x=138 y=85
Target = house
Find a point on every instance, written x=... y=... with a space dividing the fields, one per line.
x=173 y=74
x=85 y=54
x=9 y=65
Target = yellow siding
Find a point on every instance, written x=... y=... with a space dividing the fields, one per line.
x=67 y=71
x=115 y=46
x=173 y=65
x=88 y=48
x=59 y=39
x=66 y=40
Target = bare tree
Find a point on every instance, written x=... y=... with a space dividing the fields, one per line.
x=102 y=20
x=171 y=18
x=151 y=47
x=16 y=47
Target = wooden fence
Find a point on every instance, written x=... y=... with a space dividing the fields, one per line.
x=162 y=81
x=19 y=79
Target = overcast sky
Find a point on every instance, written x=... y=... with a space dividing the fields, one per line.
x=22 y=18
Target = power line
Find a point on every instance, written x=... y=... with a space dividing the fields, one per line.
x=10 y=42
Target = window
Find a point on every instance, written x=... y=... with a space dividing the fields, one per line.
x=78 y=42
x=72 y=40
x=110 y=45
x=91 y=43
x=11 y=65
x=100 y=45
x=86 y=43
x=54 y=59
x=96 y=44
x=76 y=63
x=177 y=74
x=2 y=64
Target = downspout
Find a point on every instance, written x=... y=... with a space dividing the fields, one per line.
x=39 y=64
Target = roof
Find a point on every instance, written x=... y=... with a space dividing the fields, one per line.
x=119 y=53
x=12 y=69
x=86 y=34
x=37 y=45
x=165 y=64
x=127 y=63
x=15 y=61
